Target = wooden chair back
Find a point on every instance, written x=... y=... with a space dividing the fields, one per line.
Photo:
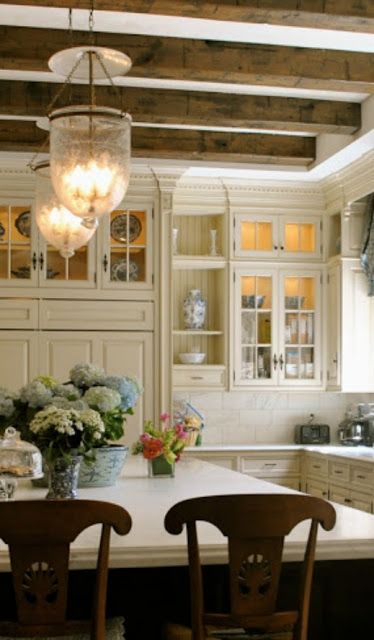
x=38 y=534
x=255 y=526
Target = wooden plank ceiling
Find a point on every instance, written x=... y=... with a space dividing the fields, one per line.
x=225 y=125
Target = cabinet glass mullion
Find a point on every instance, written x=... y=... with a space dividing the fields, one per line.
x=299 y=327
x=15 y=242
x=128 y=238
x=256 y=326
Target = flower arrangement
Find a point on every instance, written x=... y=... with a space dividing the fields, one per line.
x=167 y=440
x=64 y=433
x=89 y=388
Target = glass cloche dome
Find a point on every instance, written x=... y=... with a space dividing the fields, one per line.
x=18 y=459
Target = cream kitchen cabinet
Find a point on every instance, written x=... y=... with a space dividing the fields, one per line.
x=271 y=235
x=279 y=467
x=118 y=261
x=199 y=262
x=340 y=479
x=59 y=334
x=276 y=319
x=350 y=315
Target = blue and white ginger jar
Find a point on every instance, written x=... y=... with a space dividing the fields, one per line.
x=194 y=309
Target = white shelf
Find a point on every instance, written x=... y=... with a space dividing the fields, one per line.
x=198 y=262
x=196 y=332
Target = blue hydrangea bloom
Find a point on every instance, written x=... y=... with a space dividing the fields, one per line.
x=128 y=388
x=36 y=394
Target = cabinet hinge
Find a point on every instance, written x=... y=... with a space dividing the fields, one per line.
x=320 y=225
x=234 y=223
x=234 y=375
x=234 y=276
x=328 y=279
x=234 y=245
x=320 y=375
x=320 y=279
x=153 y=278
x=328 y=375
x=153 y=213
x=95 y=277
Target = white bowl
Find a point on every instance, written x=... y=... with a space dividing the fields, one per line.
x=191 y=358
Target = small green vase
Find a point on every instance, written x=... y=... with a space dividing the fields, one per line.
x=160 y=468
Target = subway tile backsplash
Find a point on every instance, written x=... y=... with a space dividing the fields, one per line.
x=267 y=417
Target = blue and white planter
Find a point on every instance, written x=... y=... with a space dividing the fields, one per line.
x=106 y=468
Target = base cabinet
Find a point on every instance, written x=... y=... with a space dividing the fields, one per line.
x=278 y=468
x=345 y=481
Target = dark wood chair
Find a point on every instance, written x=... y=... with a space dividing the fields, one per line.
x=39 y=534
x=255 y=526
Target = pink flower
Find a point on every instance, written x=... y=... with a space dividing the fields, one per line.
x=164 y=417
x=179 y=431
x=144 y=438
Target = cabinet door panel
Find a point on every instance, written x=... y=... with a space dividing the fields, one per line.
x=18 y=357
x=60 y=351
x=131 y=354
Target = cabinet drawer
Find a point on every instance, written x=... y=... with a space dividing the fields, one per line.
x=229 y=462
x=269 y=466
x=316 y=466
x=18 y=314
x=316 y=488
x=100 y=315
x=190 y=376
x=339 y=470
x=362 y=475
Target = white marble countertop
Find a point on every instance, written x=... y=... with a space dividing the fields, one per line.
x=365 y=453
x=148 y=500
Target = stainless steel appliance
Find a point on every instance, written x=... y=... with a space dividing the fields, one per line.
x=357 y=430
x=311 y=433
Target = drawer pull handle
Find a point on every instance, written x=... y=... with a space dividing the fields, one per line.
x=324 y=493
x=316 y=466
x=361 y=477
x=197 y=378
x=348 y=500
x=338 y=472
x=270 y=464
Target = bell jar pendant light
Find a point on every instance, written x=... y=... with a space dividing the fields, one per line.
x=58 y=226
x=90 y=145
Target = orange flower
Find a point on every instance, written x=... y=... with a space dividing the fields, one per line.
x=152 y=448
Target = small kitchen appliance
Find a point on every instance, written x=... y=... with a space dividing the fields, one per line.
x=358 y=428
x=312 y=433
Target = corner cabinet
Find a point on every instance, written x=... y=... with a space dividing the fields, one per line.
x=350 y=343
x=276 y=315
x=199 y=262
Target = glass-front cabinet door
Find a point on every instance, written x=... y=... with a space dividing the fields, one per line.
x=255 y=327
x=277 y=236
x=127 y=259
x=79 y=271
x=298 y=359
x=277 y=327
x=18 y=251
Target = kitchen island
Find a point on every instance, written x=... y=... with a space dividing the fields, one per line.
x=149 y=556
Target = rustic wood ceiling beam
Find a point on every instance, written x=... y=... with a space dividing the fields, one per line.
x=183 y=144
x=201 y=60
x=320 y=14
x=157 y=106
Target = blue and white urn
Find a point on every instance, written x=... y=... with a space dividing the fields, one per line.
x=194 y=309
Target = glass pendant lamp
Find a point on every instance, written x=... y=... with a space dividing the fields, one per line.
x=58 y=225
x=90 y=159
x=90 y=145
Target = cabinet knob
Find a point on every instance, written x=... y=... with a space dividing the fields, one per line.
x=282 y=247
x=275 y=247
x=105 y=262
x=41 y=261
x=281 y=362
x=34 y=260
x=275 y=361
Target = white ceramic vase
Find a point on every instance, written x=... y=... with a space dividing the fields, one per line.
x=194 y=309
